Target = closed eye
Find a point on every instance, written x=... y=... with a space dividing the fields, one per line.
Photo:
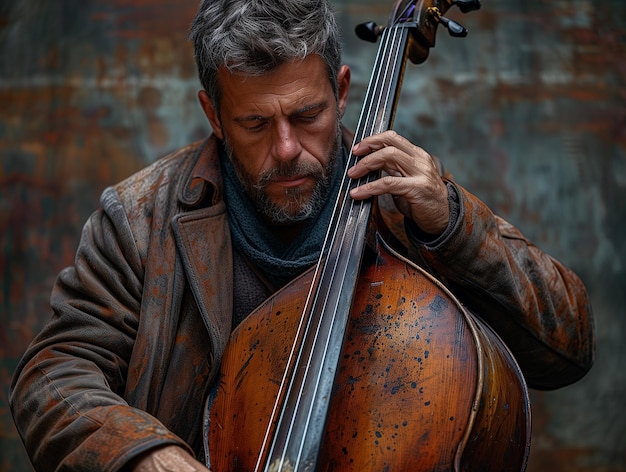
x=310 y=113
x=309 y=118
x=253 y=125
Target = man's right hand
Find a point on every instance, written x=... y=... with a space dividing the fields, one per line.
x=167 y=459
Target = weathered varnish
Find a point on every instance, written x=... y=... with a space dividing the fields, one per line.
x=422 y=385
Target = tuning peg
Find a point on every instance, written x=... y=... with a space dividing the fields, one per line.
x=467 y=5
x=455 y=29
x=368 y=31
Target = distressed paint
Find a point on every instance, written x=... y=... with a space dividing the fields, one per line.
x=529 y=112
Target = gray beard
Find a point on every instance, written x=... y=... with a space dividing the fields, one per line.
x=297 y=209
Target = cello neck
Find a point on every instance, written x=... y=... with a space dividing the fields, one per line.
x=303 y=399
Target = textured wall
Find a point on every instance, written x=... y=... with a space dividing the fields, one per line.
x=529 y=112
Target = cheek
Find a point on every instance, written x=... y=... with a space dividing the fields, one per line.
x=251 y=156
x=251 y=164
x=321 y=143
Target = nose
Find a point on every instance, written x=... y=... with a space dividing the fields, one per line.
x=286 y=145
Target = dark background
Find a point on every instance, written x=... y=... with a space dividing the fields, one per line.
x=528 y=112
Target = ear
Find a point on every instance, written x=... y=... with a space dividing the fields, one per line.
x=343 y=85
x=211 y=113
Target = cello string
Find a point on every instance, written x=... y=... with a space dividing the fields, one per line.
x=390 y=43
x=390 y=61
x=380 y=105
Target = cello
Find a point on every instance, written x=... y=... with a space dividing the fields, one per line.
x=366 y=361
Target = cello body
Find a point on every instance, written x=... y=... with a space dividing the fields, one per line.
x=422 y=384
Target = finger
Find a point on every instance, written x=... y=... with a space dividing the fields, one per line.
x=396 y=186
x=391 y=151
x=379 y=141
x=388 y=159
x=394 y=162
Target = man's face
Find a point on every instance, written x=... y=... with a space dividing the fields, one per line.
x=282 y=132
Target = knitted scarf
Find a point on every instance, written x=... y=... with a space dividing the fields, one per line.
x=252 y=236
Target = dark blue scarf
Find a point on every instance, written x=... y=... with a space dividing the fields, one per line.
x=279 y=262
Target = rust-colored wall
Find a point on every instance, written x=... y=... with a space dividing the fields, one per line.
x=529 y=112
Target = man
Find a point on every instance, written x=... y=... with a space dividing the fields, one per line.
x=182 y=251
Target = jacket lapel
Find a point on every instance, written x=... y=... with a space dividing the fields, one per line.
x=203 y=241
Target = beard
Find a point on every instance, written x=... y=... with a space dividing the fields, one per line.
x=297 y=205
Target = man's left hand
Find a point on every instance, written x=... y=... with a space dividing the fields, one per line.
x=412 y=179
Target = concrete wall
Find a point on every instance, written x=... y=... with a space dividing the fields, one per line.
x=529 y=112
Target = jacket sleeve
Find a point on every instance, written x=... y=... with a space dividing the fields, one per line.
x=67 y=392
x=538 y=306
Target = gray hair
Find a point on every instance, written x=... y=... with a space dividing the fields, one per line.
x=255 y=37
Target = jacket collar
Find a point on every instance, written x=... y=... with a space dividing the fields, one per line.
x=203 y=182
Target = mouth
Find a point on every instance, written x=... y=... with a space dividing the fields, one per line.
x=290 y=182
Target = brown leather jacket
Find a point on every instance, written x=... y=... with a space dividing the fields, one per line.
x=141 y=319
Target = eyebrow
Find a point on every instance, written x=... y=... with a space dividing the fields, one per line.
x=300 y=111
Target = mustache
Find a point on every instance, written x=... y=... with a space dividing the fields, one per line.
x=288 y=170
